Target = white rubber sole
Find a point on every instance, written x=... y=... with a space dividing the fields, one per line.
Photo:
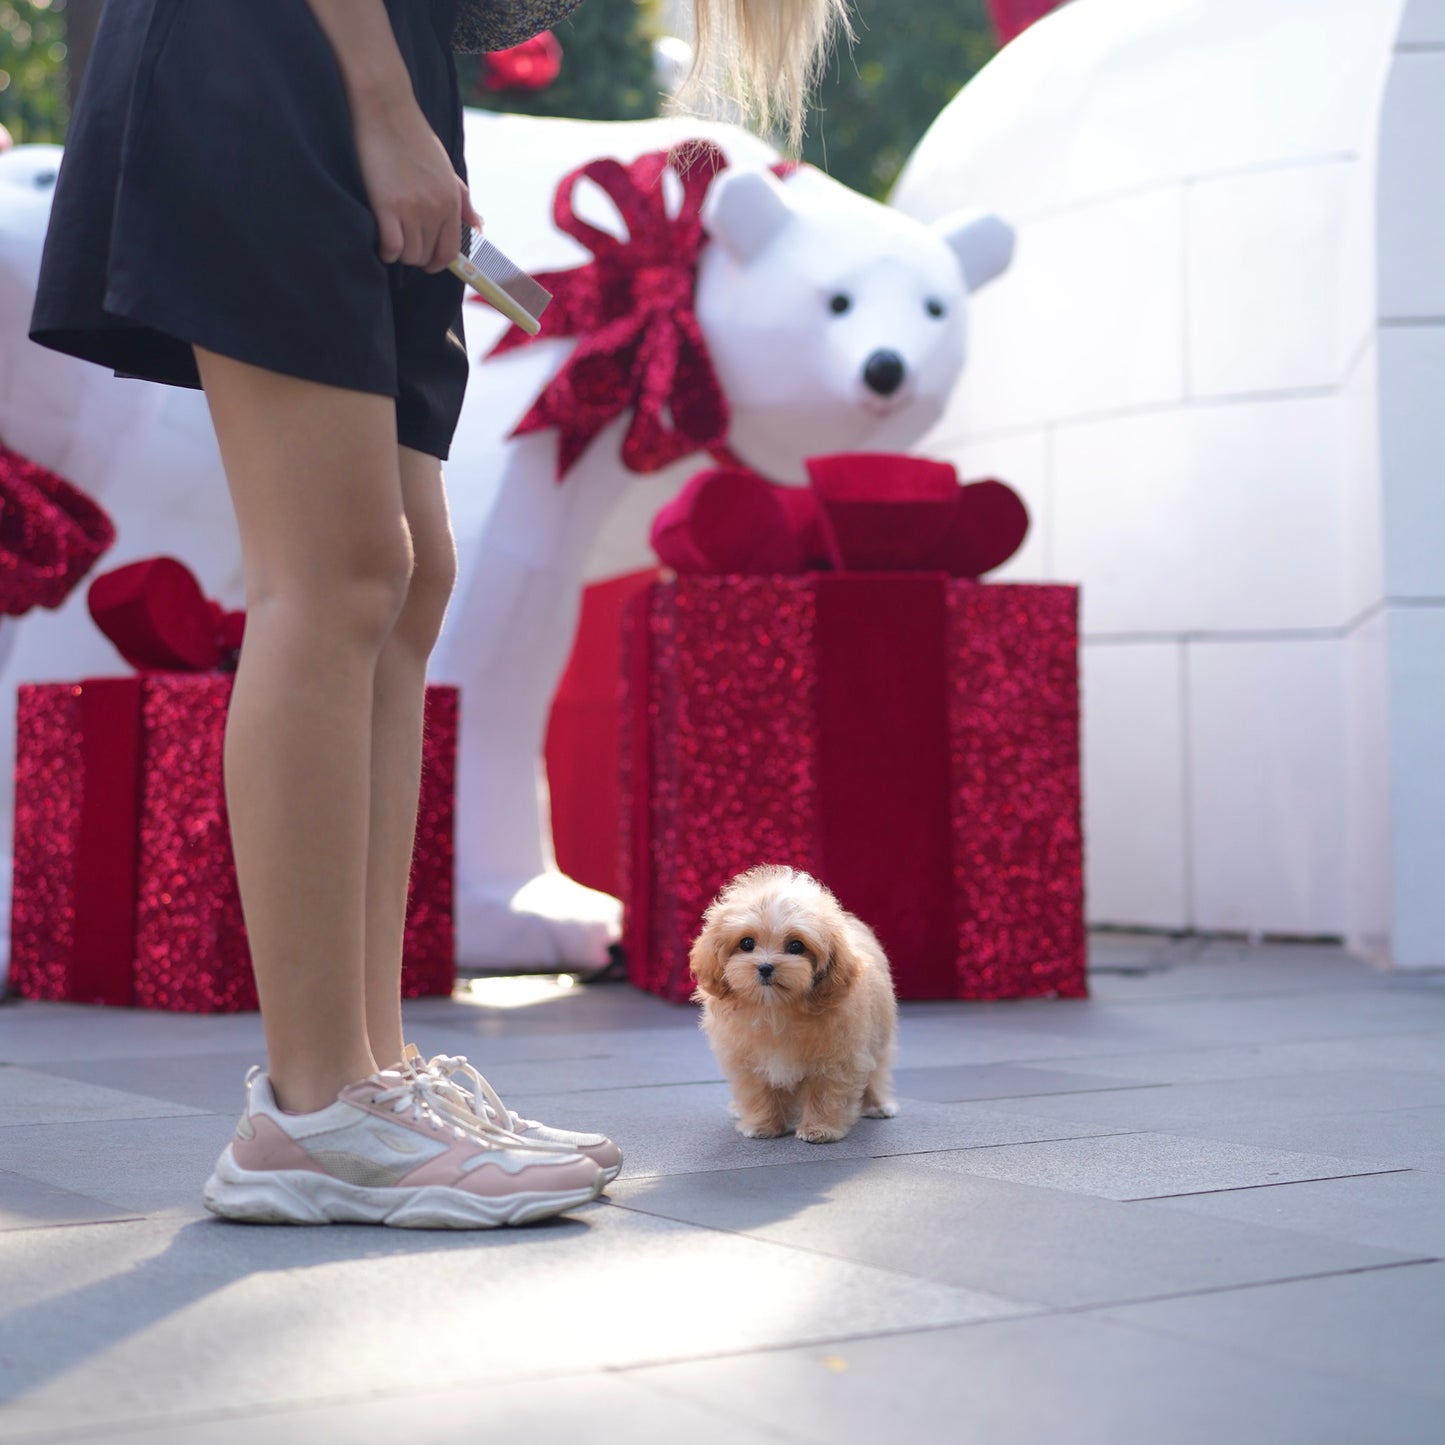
x=296 y=1196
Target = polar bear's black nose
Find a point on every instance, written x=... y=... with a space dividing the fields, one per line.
x=884 y=372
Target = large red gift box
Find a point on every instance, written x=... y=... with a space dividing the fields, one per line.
x=124 y=883
x=910 y=739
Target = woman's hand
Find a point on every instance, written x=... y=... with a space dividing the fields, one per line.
x=419 y=201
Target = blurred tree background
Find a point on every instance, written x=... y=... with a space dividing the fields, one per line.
x=607 y=70
x=909 y=61
x=33 y=72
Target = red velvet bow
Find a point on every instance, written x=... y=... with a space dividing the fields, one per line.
x=51 y=534
x=632 y=308
x=532 y=65
x=865 y=512
x=160 y=620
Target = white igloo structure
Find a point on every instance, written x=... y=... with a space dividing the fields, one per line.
x=1217 y=372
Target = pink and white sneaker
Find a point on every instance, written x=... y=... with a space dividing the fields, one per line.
x=389 y=1151
x=450 y=1075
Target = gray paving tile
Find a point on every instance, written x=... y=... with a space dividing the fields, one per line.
x=1303 y=1096
x=1011 y=1240
x=72 y=1090
x=954 y=1083
x=688 y=1129
x=1046 y=1381
x=137 y=1165
x=1403 y=1211
x=37 y=1033
x=32 y=1097
x=31 y=1204
x=1146 y=1166
x=1402 y=1138
x=1422 y=1053
x=1380 y=1325
x=593 y=1408
x=134 y=1321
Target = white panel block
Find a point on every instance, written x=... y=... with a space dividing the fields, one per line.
x=1210 y=518
x=1134 y=819
x=1417 y=756
x=1412 y=454
x=1267 y=785
x=1360 y=491
x=1271 y=306
x=1424 y=23
x=1088 y=319
x=1109 y=96
x=1025 y=461
x=1411 y=163
x=1367 y=790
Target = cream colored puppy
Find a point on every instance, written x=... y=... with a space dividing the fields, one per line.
x=797 y=1002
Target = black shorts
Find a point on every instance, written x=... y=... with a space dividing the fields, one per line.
x=210 y=193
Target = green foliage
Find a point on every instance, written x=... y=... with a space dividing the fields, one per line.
x=33 y=104
x=606 y=67
x=873 y=107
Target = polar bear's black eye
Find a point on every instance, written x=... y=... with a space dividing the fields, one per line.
x=795 y=945
x=935 y=307
x=746 y=945
x=839 y=302
x=42 y=179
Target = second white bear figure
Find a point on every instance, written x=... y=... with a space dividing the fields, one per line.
x=832 y=324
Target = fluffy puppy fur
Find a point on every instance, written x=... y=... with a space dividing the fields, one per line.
x=797 y=1002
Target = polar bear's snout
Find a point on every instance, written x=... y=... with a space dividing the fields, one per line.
x=884 y=372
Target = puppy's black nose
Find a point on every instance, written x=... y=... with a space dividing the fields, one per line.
x=765 y=972
x=884 y=372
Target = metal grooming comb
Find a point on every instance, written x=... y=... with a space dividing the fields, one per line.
x=501 y=282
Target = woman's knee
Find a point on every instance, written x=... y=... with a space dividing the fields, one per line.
x=433 y=579
x=355 y=594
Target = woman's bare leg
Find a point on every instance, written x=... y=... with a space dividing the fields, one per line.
x=327 y=557
x=396 y=743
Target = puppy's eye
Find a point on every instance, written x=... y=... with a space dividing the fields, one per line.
x=795 y=945
x=840 y=302
x=746 y=945
x=935 y=307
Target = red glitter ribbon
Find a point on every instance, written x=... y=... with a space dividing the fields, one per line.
x=51 y=534
x=160 y=620
x=632 y=307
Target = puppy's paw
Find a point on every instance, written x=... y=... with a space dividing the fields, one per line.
x=819 y=1134
x=881 y=1111
x=760 y=1131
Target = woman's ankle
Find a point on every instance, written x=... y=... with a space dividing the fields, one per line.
x=300 y=1089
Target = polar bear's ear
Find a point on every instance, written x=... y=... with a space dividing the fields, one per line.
x=984 y=245
x=744 y=210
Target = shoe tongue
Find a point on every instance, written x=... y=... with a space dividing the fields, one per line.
x=411 y=1054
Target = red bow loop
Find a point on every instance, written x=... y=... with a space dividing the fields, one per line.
x=51 y=535
x=160 y=621
x=632 y=308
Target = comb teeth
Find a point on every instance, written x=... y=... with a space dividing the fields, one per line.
x=504 y=272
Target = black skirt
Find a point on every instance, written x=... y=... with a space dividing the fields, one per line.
x=210 y=193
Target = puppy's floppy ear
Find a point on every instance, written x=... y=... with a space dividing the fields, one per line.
x=706 y=963
x=835 y=973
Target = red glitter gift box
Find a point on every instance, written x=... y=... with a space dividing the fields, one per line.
x=910 y=739
x=124 y=883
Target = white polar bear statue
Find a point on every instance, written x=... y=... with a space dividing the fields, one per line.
x=793 y=364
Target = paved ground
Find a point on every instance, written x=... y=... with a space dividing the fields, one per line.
x=1208 y=1205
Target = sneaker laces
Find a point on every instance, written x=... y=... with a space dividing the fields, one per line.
x=481 y=1101
x=419 y=1094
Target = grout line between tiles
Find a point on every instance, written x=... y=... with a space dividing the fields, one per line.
x=1273 y=1183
